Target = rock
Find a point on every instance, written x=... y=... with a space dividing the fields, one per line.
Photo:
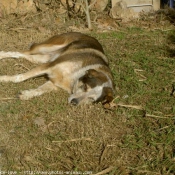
x=100 y=5
x=120 y=11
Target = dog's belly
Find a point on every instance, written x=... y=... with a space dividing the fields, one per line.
x=63 y=74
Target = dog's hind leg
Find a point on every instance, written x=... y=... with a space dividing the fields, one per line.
x=10 y=54
x=35 y=72
x=43 y=53
x=32 y=58
x=28 y=94
x=40 y=53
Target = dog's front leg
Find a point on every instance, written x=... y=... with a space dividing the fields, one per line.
x=28 y=94
x=14 y=78
x=38 y=71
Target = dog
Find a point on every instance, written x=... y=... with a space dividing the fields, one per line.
x=72 y=61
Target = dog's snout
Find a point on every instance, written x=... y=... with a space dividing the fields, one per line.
x=74 y=101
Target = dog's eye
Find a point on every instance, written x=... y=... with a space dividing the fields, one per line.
x=84 y=87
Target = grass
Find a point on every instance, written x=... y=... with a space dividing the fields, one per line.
x=47 y=134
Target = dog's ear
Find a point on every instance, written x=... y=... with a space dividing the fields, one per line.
x=92 y=73
x=93 y=78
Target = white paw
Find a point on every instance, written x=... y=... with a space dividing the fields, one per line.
x=10 y=54
x=25 y=95
x=28 y=94
x=2 y=54
x=4 y=78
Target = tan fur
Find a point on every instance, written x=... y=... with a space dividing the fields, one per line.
x=72 y=61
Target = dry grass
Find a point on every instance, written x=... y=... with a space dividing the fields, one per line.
x=135 y=136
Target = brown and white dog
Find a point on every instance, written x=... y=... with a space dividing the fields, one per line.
x=72 y=61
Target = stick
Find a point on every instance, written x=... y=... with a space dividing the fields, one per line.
x=107 y=170
x=7 y=98
x=131 y=106
x=73 y=140
x=88 y=15
x=154 y=116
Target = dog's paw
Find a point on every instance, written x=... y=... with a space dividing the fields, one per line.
x=4 y=78
x=10 y=54
x=28 y=94
x=25 y=95
x=2 y=54
x=5 y=54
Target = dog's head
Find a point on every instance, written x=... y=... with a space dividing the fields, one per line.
x=94 y=86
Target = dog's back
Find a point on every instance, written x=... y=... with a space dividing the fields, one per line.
x=75 y=40
x=69 y=41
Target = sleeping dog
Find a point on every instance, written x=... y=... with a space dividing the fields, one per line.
x=72 y=61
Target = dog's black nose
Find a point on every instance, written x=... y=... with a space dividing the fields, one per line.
x=74 y=101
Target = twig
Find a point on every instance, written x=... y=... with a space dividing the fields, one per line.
x=20 y=28
x=50 y=149
x=131 y=106
x=142 y=76
x=22 y=66
x=7 y=98
x=173 y=90
x=162 y=29
x=107 y=170
x=154 y=116
x=50 y=124
x=143 y=171
x=103 y=154
x=73 y=140
x=88 y=15
x=115 y=98
x=165 y=127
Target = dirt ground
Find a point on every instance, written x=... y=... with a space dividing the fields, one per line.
x=46 y=135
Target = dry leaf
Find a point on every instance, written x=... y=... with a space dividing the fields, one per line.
x=28 y=158
x=39 y=121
